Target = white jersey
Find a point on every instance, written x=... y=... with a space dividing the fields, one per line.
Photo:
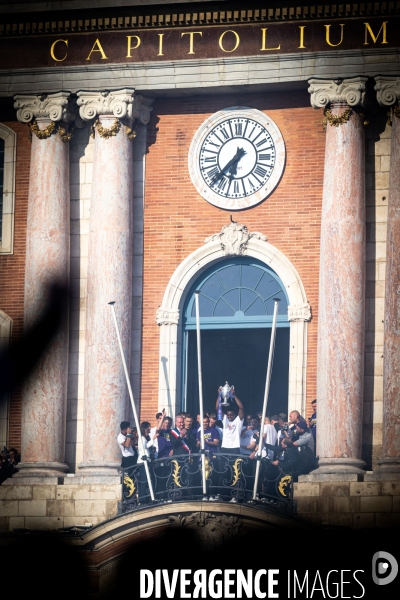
x=231 y=432
x=125 y=451
x=271 y=437
x=146 y=447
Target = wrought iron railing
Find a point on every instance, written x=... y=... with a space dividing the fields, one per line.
x=229 y=478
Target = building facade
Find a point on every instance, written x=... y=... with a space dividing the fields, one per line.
x=149 y=150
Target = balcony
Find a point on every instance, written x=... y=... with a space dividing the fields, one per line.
x=229 y=479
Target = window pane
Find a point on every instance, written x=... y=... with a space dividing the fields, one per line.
x=246 y=297
x=282 y=310
x=232 y=298
x=223 y=310
x=230 y=276
x=256 y=309
x=267 y=286
x=251 y=276
x=206 y=307
x=212 y=288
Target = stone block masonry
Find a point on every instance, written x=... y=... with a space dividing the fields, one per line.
x=351 y=504
x=53 y=506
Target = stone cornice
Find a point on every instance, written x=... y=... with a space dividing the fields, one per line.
x=339 y=91
x=55 y=107
x=150 y=17
x=150 y=78
x=387 y=89
x=122 y=104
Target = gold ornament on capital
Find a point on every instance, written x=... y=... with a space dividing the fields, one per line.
x=105 y=132
x=44 y=134
x=336 y=120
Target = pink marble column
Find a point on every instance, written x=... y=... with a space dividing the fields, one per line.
x=47 y=261
x=340 y=359
x=109 y=276
x=388 y=95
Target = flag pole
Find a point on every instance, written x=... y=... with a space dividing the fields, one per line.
x=266 y=394
x=203 y=458
x=135 y=416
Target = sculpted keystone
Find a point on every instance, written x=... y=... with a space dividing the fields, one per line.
x=234 y=238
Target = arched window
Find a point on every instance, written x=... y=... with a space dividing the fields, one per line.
x=8 y=141
x=236 y=304
x=240 y=293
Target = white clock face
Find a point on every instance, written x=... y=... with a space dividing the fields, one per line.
x=236 y=158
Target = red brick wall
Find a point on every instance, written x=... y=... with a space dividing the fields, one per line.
x=177 y=219
x=12 y=267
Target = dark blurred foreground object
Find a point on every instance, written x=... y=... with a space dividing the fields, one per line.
x=19 y=360
x=48 y=566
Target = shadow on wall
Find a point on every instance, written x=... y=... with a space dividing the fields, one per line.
x=376 y=203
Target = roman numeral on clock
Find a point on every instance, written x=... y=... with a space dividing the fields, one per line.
x=222 y=184
x=211 y=159
x=238 y=128
x=225 y=134
x=260 y=171
x=213 y=173
x=264 y=157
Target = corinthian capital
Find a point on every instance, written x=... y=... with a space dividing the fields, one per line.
x=387 y=90
x=122 y=104
x=47 y=106
x=338 y=91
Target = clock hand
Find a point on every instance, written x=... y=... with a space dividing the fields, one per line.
x=231 y=165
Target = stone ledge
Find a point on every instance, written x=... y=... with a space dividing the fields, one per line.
x=381 y=476
x=92 y=479
x=328 y=477
x=23 y=481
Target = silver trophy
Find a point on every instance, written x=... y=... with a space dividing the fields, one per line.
x=226 y=394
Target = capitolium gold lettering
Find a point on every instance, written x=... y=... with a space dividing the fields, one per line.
x=264 y=41
x=191 y=35
x=52 y=49
x=328 y=38
x=221 y=40
x=374 y=38
x=130 y=47
x=98 y=49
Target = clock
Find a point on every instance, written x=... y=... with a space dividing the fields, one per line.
x=236 y=158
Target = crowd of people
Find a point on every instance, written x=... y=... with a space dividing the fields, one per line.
x=287 y=445
x=9 y=460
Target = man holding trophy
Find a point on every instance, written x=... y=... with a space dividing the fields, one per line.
x=231 y=410
x=232 y=420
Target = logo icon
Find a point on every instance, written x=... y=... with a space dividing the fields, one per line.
x=384 y=568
